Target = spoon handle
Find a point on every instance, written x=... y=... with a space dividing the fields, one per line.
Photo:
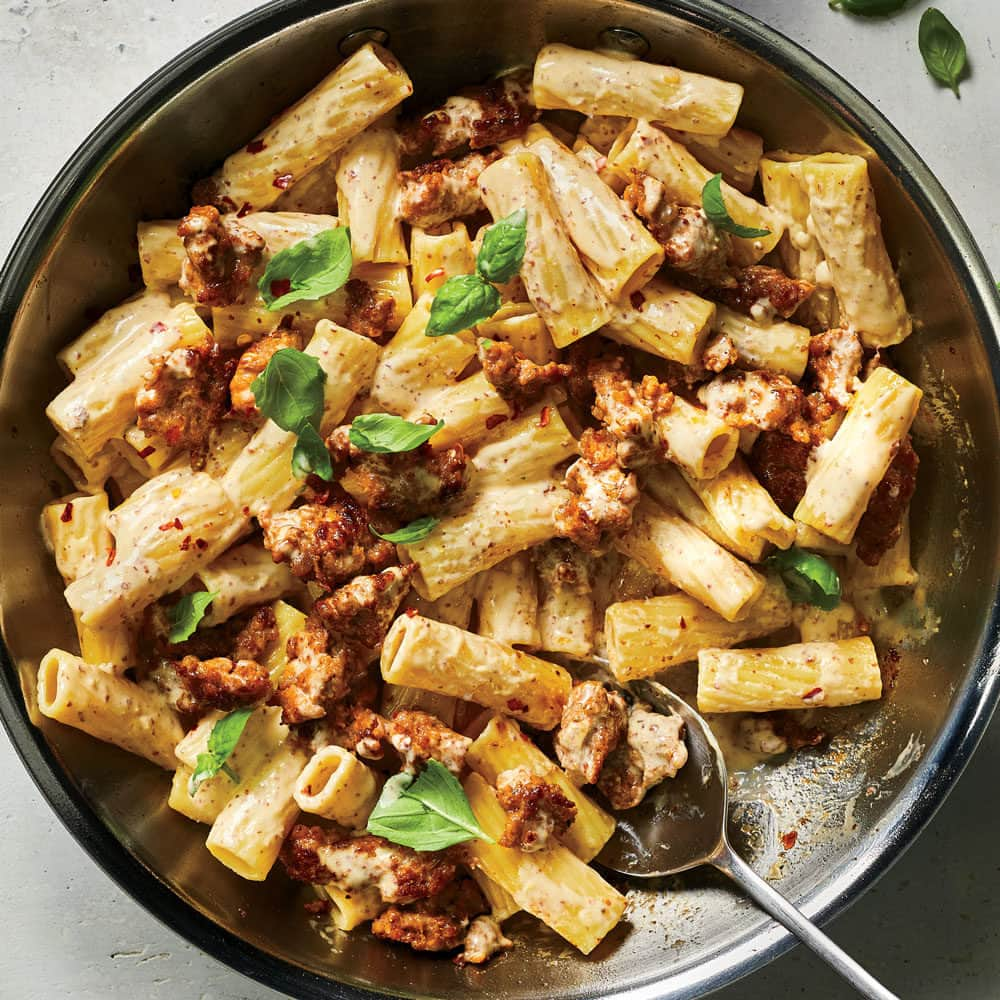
x=777 y=906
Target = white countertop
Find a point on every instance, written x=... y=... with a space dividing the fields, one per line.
x=930 y=929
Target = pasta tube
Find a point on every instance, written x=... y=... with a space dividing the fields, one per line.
x=652 y=151
x=647 y=636
x=422 y=653
x=436 y=257
x=846 y=223
x=778 y=346
x=614 y=245
x=597 y=84
x=501 y=746
x=242 y=578
x=894 y=569
x=517 y=324
x=566 y=600
x=553 y=884
x=736 y=155
x=99 y=404
x=247 y=835
x=75 y=530
x=92 y=698
x=806 y=675
x=507 y=599
x=367 y=190
x=853 y=463
x=359 y=91
x=337 y=786
x=507 y=507
x=666 y=544
x=743 y=508
x=470 y=409
x=558 y=285
x=663 y=320
x=701 y=443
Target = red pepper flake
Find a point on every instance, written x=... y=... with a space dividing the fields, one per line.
x=227 y=203
x=543 y=420
x=112 y=552
x=495 y=420
x=158 y=327
x=246 y=511
x=67 y=514
x=283 y=181
x=788 y=839
x=637 y=299
x=318 y=907
x=411 y=612
x=812 y=693
x=175 y=523
x=257 y=146
x=438 y=272
x=186 y=543
x=201 y=543
x=683 y=623
x=516 y=705
x=280 y=286
x=147 y=451
x=245 y=209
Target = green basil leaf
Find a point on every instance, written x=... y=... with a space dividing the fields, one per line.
x=185 y=615
x=289 y=390
x=714 y=207
x=309 y=456
x=502 y=252
x=869 y=8
x=415 y=531
x=809 y=578
x=222 y=742
x=462 y=301
x=382 y=433
x=309 y=269
x=942 y=47
x=428 y=814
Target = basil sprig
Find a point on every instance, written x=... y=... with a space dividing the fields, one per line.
x=289 y=391
x=222 y=742
x=942 y=47
x=502 y=252
x=185 y=615
x=467 y=299
x=415 y=531
x=714 y=207
x=309 y=269
x=383 y=433
x=809 y=578
x=869 y=8
x=426 y=814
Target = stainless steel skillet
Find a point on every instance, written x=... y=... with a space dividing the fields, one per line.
x=888 y=770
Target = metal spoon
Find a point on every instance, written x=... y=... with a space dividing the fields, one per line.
x=681 y=824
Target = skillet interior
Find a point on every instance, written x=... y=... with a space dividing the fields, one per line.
x=855 y=804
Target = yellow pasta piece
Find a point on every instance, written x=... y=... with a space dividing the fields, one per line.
x=647 y=636
x=360 y=90
x=777 y=346
x=502 y=746
x=507 y=600
x=736 y=155
x=805 y=675
x=426 y=654
x=552 y=884
x=337 y=786
x=436 y=257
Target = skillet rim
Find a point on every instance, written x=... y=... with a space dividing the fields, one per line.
x=916 y=802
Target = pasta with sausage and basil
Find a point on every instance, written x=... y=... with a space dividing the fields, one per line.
x=429 y=430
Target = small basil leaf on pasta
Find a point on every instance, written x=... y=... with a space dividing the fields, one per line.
x=222 y=742
x=185 y=615
x=714 y=206
x=869 y=8
x=383 y=433
x=942 y=47
x=426 y=814
x=462 y=301
x=289 y=390
x=808 y=578
x=502 y=252
x=415 y=531
x=309 y=269
x=310 y=457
